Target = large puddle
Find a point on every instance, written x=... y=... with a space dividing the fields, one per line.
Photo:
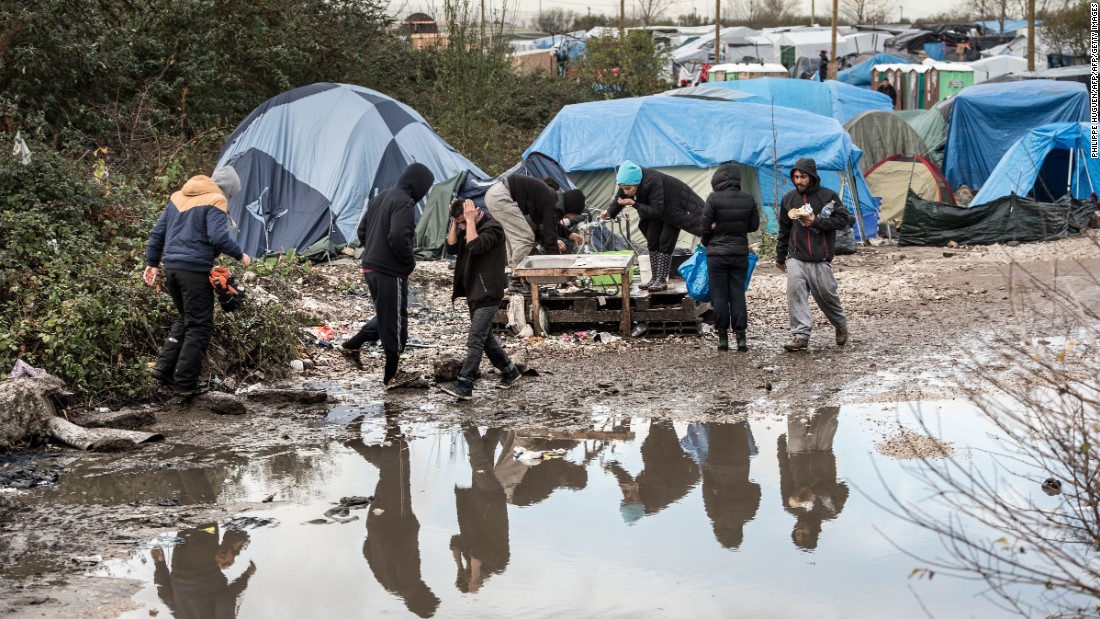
x=773 y=517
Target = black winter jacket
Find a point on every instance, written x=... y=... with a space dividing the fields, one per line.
x=729 y=214
x=817 y=242
x=388 y=227
x=540 y=203
x=664 y=198
x=479 y=269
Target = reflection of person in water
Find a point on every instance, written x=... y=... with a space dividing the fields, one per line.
x=481 y=546
x=668 y=474
x=195 y=587
x=392 y=547
x=807 y=474
x=731 y=500
x=530 y=484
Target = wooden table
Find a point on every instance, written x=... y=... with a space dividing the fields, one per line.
x=543 y=269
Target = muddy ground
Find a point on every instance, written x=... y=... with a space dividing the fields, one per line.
x=925 y=324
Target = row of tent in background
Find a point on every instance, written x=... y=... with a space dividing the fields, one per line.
x=967 y=54
x=311 y=158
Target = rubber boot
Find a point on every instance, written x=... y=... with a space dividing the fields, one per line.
x=742 y=343
x=664 y=262
x=723 y=340
x=653 y=261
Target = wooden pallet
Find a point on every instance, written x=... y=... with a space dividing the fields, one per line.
x=673 y=312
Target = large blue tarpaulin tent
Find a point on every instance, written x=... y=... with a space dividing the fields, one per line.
x=988 y=118
x=833 y=99
x=860 y=74
x=1047 y=163
x=692 y=136
x=310 y=159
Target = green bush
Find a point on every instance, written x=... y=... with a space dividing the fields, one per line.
x=71 y=297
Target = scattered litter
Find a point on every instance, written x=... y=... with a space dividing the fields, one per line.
x=416 y=344
x=323 y=336
x=378 y=511
x=517 y=318
x=604 y=337
x=1052 y=486
x=93 y=559
x=533 y=457
x=23 y=369
x=356 y=501
x=340 y=514
x=243 y=523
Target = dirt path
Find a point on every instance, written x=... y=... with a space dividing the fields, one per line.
x=918 y=317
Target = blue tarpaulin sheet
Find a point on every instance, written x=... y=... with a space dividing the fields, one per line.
x=833 y=99
x=987 y=119
x=662 y=131
x=860 y=74
x=1019 y=170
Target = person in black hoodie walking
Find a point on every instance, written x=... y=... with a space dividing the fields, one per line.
x=728 y=216
x=809 y=217
x=665 y=206
x=478 y=242
x=386 y=232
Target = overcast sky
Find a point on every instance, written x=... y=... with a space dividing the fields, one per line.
x=529 y=9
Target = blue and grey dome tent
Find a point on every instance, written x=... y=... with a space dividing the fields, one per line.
x=311 y=158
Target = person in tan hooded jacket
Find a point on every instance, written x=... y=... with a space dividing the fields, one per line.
x=192 y=231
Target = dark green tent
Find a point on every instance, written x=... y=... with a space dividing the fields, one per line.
x=1012 y=218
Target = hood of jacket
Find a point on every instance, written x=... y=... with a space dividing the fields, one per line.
x=727 y=177
x=807 y=166
x=416 y=180
x=200 y=191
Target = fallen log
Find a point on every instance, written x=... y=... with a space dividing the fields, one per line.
x=98 y=439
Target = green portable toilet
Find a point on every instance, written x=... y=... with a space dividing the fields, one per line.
x=787 y=55
x=945 y=79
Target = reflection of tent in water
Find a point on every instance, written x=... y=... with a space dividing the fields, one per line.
x=688 y=138
x=310 y=158
x=894 y=177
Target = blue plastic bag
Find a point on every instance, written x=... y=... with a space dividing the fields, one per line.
x=752 y=265
x=695 y=274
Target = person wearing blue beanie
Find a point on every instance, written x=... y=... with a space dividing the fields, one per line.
x=665 y=206
x=629 y=174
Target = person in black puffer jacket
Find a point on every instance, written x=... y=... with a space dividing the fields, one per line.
x=728 y=216
x=386 y=232
x=665 y=206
